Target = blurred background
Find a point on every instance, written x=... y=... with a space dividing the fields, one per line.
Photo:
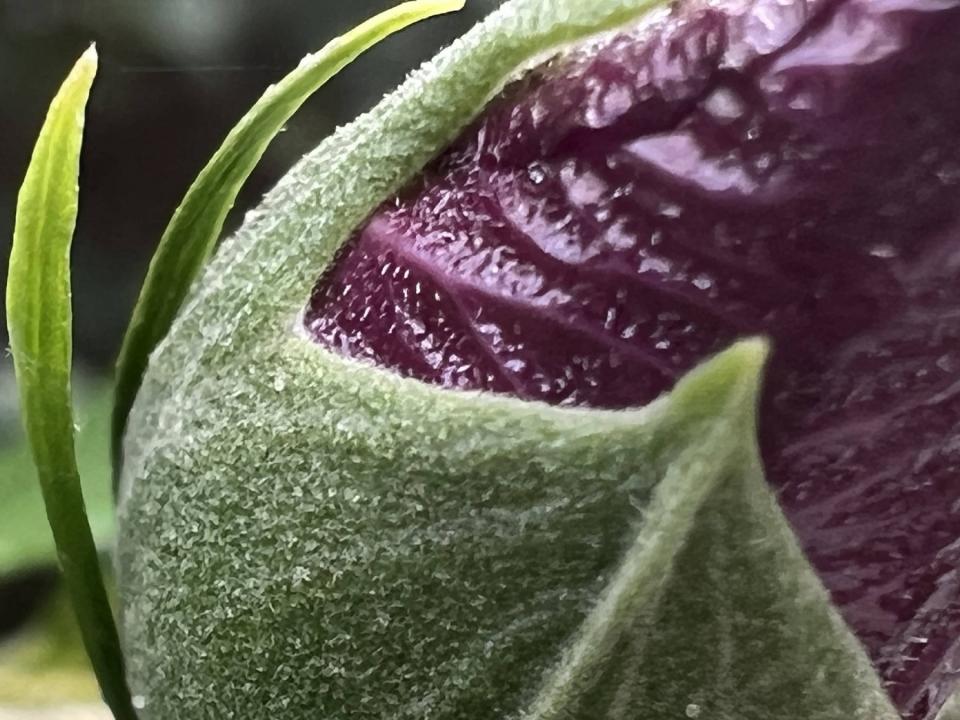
x=175 y=76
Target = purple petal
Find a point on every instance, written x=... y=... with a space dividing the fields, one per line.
x=766 y=167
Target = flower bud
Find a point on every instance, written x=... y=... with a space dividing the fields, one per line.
x=440 y=436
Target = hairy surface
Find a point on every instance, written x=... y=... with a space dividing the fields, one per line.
x=303 y=535
x=633 y=206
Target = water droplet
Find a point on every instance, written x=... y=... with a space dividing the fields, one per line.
x=803 y=100
x=884 y=250
x=536 y=173
x=139 y=702
x=417 y=326
x=670 y=210
x=764 y=162
x=692 y=711
x=279 y=384
x=724 y=104
x=949 y=174
x=515 y=365
x=656 y=265
x=946 y=363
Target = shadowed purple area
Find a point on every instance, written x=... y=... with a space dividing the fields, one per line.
x=787 y=168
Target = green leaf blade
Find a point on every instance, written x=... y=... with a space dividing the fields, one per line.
x=192 y=233
x=25 y=539
x=39 y=318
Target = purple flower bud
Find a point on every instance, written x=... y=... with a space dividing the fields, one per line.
x=623 y=211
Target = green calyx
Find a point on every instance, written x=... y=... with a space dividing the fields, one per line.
x=303 y=536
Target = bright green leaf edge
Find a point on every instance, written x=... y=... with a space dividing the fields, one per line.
x=193 y=231
x=39 y=319
x=257 y=464
x=25 y=539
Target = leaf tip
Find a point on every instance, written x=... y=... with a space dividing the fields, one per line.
x=731 y=379
x=752 y=352
x=83 y=72
x=88 y=62
x=748 y=360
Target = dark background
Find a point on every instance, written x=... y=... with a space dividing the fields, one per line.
x=175 y=76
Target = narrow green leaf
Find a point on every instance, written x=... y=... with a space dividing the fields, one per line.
x=25 y=540
x=190 y=238
x=40 y=326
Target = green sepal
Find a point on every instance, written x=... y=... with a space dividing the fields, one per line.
x=438 y=554
x=714 y=609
